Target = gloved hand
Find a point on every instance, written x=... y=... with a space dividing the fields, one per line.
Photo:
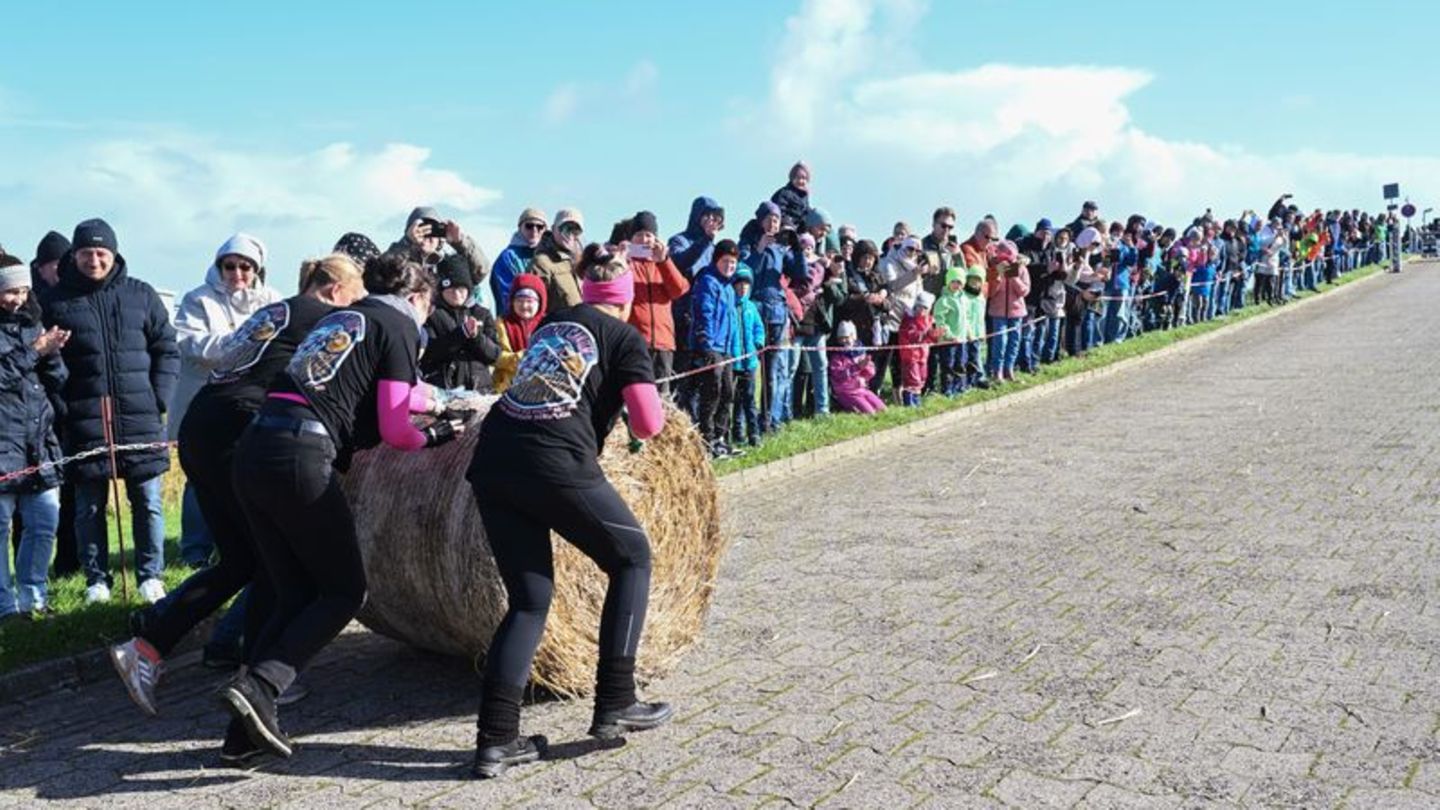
x=443 y=431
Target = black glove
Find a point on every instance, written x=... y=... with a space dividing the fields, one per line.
x=441 y=432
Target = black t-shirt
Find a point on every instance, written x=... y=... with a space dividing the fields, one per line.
x=256 y=353
x=338 y=365
x=554 y=417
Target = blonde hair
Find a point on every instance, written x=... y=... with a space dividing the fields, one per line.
x=337 y=268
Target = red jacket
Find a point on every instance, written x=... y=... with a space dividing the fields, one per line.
x=657 y=284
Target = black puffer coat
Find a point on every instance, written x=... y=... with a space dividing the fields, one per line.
x=453 y=359
x=29 y=388
x=121 y=346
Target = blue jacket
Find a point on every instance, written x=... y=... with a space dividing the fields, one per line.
x=512 y=261
x=712 y=312
x=690 y=250
x=121 y=346
x=768 y=266
x=749 y=332
x=29 y=396
x=1128 y=256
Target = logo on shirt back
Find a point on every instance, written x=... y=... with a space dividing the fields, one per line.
x=244 y=347
x=320 y=355
x=551 y=377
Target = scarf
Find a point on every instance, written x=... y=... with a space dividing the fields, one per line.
x=518 y=331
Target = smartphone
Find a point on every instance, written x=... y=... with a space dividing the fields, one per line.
x=434 y=227
x=635 y=251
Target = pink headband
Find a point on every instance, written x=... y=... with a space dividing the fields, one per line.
x=616 y=292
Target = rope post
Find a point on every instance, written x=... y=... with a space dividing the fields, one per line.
x=107 y=415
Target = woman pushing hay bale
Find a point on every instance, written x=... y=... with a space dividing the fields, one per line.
x=432 y=578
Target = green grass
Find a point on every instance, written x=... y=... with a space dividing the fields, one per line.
x=804 y=435
x=77 y=627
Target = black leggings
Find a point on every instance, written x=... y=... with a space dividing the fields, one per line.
x=518 y=515
x=305 y=533
x=207 y=451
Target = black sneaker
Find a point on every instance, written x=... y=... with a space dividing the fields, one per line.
x=494 y=760
x=253 y=704
x=635 y=717
x=238 y=751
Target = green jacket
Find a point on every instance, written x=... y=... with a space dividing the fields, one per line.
x=951 y=308
x=975 y=314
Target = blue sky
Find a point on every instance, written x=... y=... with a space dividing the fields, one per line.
x=184 y=123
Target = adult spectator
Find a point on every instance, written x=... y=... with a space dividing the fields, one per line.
x=975 y=251
x=44 y=274
x=767 y=260
x=123 y=367
x=517 y=256
x=794 y=197
x=819 y=225
x=942 y=249
x=692 y=250
x=556 y=256
x=1089 y=217
x=1037 y=248
x=658 y=285
x=234 y=289
x=428 y=239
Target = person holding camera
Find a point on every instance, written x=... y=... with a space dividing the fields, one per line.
x=658 y=285
x=428 y=239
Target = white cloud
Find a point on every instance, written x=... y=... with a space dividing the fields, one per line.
x=173 y=198
x=636 y=90
x=1018 y=140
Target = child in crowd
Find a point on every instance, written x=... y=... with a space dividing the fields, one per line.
x=462 y=342
x=31 y=376
x=974 y=328
x=950 y=311
x=748 y=337
x=1052 y=300
x=917 y=331
x=527 y=309
x=850 y=373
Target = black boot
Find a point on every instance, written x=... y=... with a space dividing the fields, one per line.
x=251 y=701
x=492 y=761
x=238 y=751
x=608 y=725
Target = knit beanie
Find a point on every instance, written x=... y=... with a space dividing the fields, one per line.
x=95 y=233
x=816 y=217
x=767 y=209
x=644 y=221
x=454 y=271
x=50 y=249
x=13 y=276
x=923 y=301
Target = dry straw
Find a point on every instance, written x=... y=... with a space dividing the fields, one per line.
x=433 y=582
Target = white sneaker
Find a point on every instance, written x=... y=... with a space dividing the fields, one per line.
x=96 y=594
x=152 y=590
x=140 y=668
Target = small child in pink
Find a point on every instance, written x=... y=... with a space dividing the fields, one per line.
x=850 y=373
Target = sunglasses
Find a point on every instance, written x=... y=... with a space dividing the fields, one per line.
x=571 y=228
x=534 y=226
x=947 y=226
x=238 y=267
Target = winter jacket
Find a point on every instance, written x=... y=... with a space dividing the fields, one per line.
x=121 y=346
x=769 y=267
x=819 y=317
x=555 y=265
x=1007 y=295
x=865 y=316
x=951 y=308
x=850 y=373
x=975 y=315
x=29 y=398
x=935 y=282
x=712 y=318
x=657 y=286
x=794 y=204
x=453 y=359
x=479 y=262
x=691 y=251
x=511 y=262
x=510 y=331
x=1126 y=258
x=749 y=333
x=917 y=330
x=906 y=283
x=207 y=314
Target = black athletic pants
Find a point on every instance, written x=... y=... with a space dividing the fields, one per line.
x=519 y=514
x=305 y=533
x=207 y=452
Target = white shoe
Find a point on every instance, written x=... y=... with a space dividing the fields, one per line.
x=97 y=594
x=152 y=590
x=140 y=668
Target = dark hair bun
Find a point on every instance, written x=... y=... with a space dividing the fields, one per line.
x=393 y=274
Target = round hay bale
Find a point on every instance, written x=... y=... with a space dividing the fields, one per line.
x=433 y=581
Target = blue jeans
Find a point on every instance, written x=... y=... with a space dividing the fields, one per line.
x=1047 y=338
x=819 y=364
x=1004 y=344
x=40 y=512
x=196 y=544
x=780 y=376
x=1029 y=357
x=147 y=516
x=1117 y=319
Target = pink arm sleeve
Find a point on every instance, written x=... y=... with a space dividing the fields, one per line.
x=420 y=398
x=647 y=416
x=393 y=410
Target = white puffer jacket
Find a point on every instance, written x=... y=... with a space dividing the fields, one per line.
x=210 y=312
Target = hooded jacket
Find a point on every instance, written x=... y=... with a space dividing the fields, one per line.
x=555 y=265
x=748 y=336
x=794 y=204
x=905 y=281
x=479 y=262
x=712 y=303
x=951 y=308
x=29 y=398
x=121 y=346
x=512 y=261
x=207 y=314
x=768 y=266
x=657 y=286
x=850 y=372
x=509 y=330
x=691 y=250
x=975 y=306
x=454 y=359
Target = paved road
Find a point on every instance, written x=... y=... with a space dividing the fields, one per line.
x=1208 y=580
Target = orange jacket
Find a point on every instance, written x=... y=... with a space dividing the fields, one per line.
x=657 y=284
